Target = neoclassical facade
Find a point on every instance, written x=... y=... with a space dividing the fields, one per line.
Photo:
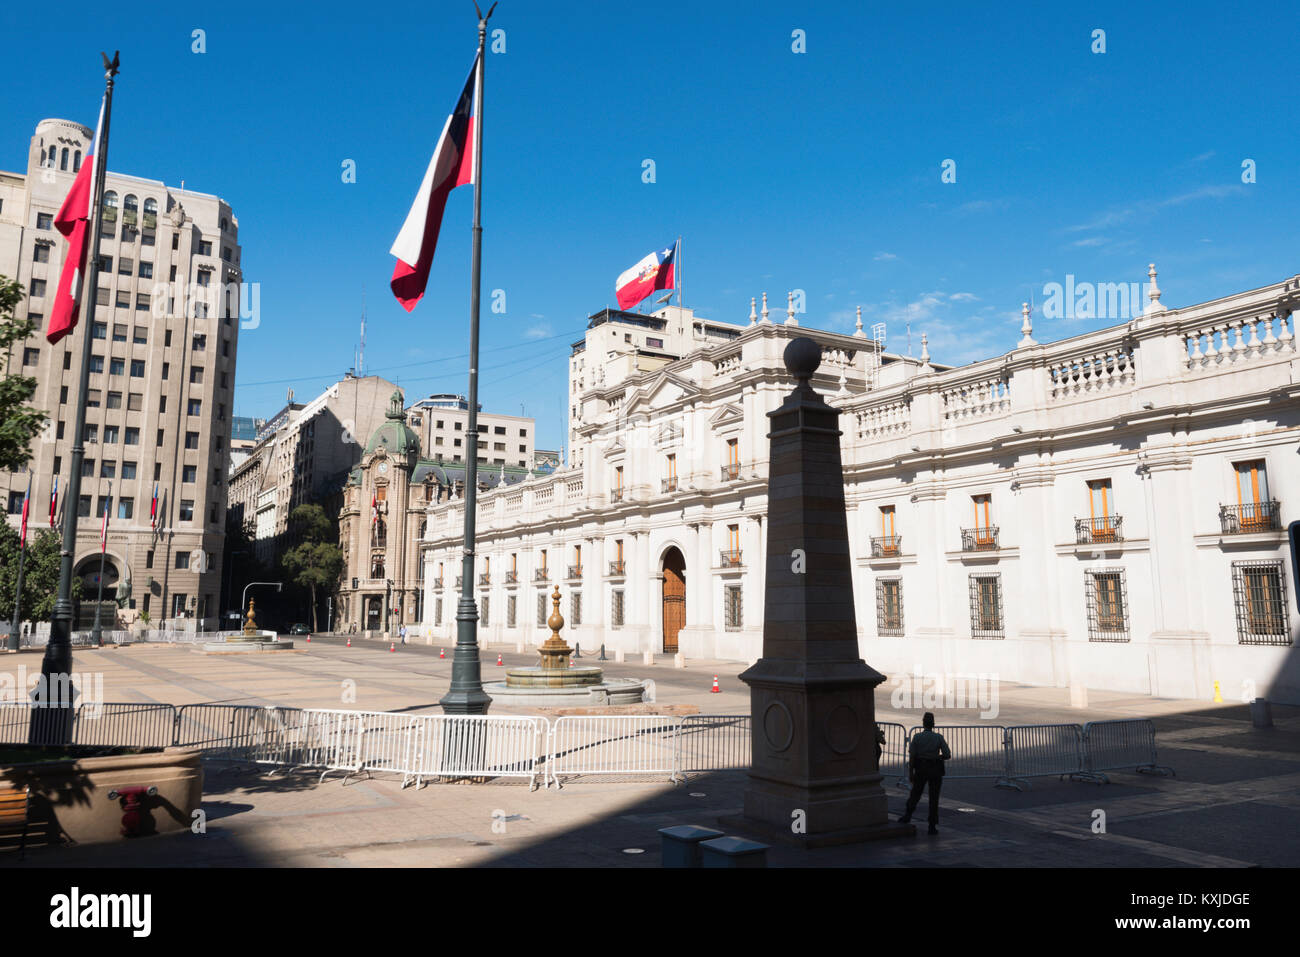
x=1109 y=509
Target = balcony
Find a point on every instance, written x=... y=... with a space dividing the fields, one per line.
x=731 y=472
x=128 y=217
x=886 y=546
x=109 y=214
x=541 y=575
x=460 y=581
x=1102 y=529
x=615 y=495
x=983 y=539
x=668 y=484
x=575 y=572
x=729 y=558
x=618 y=569
x=485 y=579
x=512 y=578
x=437 y=583
x=1251 y=517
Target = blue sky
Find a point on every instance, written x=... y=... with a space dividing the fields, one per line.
x=819 y=170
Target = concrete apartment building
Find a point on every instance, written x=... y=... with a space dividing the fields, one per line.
x=163 y=350
x=440 y=422
x=303 y=454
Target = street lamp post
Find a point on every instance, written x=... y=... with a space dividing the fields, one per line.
x=243 y=601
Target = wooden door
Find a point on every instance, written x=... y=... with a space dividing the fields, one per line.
x=674 y=599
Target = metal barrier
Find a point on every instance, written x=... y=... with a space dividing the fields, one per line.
x=893 y=759
x=241 y=734
x=109 y=724
x=612 y=744
x=712 y=742
x=330 y=740
x=1040 y=750
x=978 y=751
x=474 y=746
x=1118 y=745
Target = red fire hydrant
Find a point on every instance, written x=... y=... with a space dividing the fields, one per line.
x=132 y=805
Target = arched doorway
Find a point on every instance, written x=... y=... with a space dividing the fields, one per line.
x=88 y=571
x=674 y=610
x=374 y=612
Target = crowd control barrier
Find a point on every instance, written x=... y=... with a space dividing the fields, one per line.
x=1118 y=746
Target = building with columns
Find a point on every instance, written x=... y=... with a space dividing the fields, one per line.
x=1109 y=509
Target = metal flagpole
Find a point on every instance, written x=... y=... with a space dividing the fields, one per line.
x=56 y=667
x=466 y=694
x=15 y=625
x=681 y=295
x=98 y=632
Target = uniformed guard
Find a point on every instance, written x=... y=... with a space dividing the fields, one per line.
x=926 y=756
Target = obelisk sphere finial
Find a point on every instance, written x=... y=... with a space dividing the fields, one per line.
x=802 y=357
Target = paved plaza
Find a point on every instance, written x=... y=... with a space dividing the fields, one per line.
x=1234 y=801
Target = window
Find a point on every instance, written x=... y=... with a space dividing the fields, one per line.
x=114 y=399
x=158 y=442
x=132 y=436
x=63 y=395
x=205 y=248
x=125 y=266
x=187 y=510
x=188 y=473
x=41 y=254
x=101 y=299
x=889 y=607
x=1259 y=594
x=437 y=611
x=125 y=507
x=195 y=407
x=107 y=469
x=31 y=356
x=654 y=343
x=99 y=330
x=1255 y=512
x=986 y=606
x=119 y=332
x=148 y=559
x=16 y=503
x=196 y=375
x=483 y=613
x=87 y=468
x=38 y=288
x=731 y=608
x=541 y=609
x=142 y=302
x=984 y=535
x=135 y=402
x=128 y=470
x=511 y=610
x=137 y=368
x=616 y=607
x=44 y=220
x=91 y=434
x=166 y=369
x=123 y=300
x=1107 y=601
x=146 y=270
x=575 y=608
x=140 y=335
x=116 y=366
x=178 y=605
x=199 y=342
x=111 y=435
x=83 y=506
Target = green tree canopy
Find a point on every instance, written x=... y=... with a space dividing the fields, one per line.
x=316 y=561
x=40 y=574
x=19 y=422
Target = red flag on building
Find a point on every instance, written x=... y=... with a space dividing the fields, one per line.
x=153 y=507
x=73 y=221
x=374 y=508
x=452 y=165
x=103 y=531
x=653 y=272
x=54 y=500
x=22 y=536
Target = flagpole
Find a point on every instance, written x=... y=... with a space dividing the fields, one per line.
x=97 y=633
x=466 y=694
x=12 y=643
x=681 y=282
x=57 y=663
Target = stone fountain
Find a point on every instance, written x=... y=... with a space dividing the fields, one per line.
x=555 y=682
x=253 y=639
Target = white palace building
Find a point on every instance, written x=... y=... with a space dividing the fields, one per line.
x=1108 y=510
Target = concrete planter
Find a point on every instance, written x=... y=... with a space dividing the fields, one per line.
x=70 y=798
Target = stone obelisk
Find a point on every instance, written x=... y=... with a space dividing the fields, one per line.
x=814 y=778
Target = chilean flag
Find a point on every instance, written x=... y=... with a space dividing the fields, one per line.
x=73 y=221
x=653 y=272
x=452 y=165
x=153 y=507
x=54 y=500
x=103 y=531
x=22 y=536
x=374 y=509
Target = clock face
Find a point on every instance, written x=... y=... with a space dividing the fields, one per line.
x=383 y=467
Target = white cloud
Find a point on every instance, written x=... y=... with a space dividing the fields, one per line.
x=883 y=257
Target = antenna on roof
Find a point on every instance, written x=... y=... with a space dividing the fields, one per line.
x=361 y=353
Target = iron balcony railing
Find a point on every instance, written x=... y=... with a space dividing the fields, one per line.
x=512 y=578
x=1099 y=530
x=668 y=484
x=1251 y=517
x=731 y=471
x=437 y=583
x=886 y=546
x=618 y=568
x=575 y=571
x=542 y=575
x=485 y=579
x=983 y=539
x=460 y=581
x=730 y=557
x=616 y=495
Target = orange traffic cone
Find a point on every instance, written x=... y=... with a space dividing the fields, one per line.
x=442 y=652
x=715 y=689
x=499 y=661
x=392 y=646
x=570 y=661
x=309 y=639
x=349 y=642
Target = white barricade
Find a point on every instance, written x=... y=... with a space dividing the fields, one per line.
x=474 y=746
x=1119 y=745
x=612 y=744
x=1039 y=750
x=330 y=740
x=713 y=742
x=978 y=751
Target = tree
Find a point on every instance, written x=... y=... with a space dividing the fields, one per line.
x=19 y=422
x=316 y=561
x=40 y=574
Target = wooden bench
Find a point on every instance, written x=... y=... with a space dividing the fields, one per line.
x=15 y=804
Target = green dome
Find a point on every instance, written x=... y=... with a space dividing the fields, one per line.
x=394 y=435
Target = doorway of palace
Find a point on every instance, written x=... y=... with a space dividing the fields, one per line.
x=374 y=612
x=674 y=598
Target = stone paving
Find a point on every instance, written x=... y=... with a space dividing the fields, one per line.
x=1235 y=801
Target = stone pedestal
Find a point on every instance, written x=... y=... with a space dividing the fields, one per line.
x=813 y=779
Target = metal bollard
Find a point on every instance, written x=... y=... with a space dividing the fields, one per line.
x=732 y=852
x=681 y=845
x=577 y=649
x=647 y=657
x=602 y=653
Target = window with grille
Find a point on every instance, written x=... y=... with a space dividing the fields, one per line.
x=1259 y=594
x=731 y=608
x=541 y=608
x=616 y=608
x=511 y=611
x=575 y=608
x=986 y=618
x=437 y=612
x=483 y=615
x=1107 y=599
x=889 y=606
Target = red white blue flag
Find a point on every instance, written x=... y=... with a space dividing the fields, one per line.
x=653 y=272
x=54 y=499
x=22 y=536
x=73 y=221
x=153 y=507
x=103 y=530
